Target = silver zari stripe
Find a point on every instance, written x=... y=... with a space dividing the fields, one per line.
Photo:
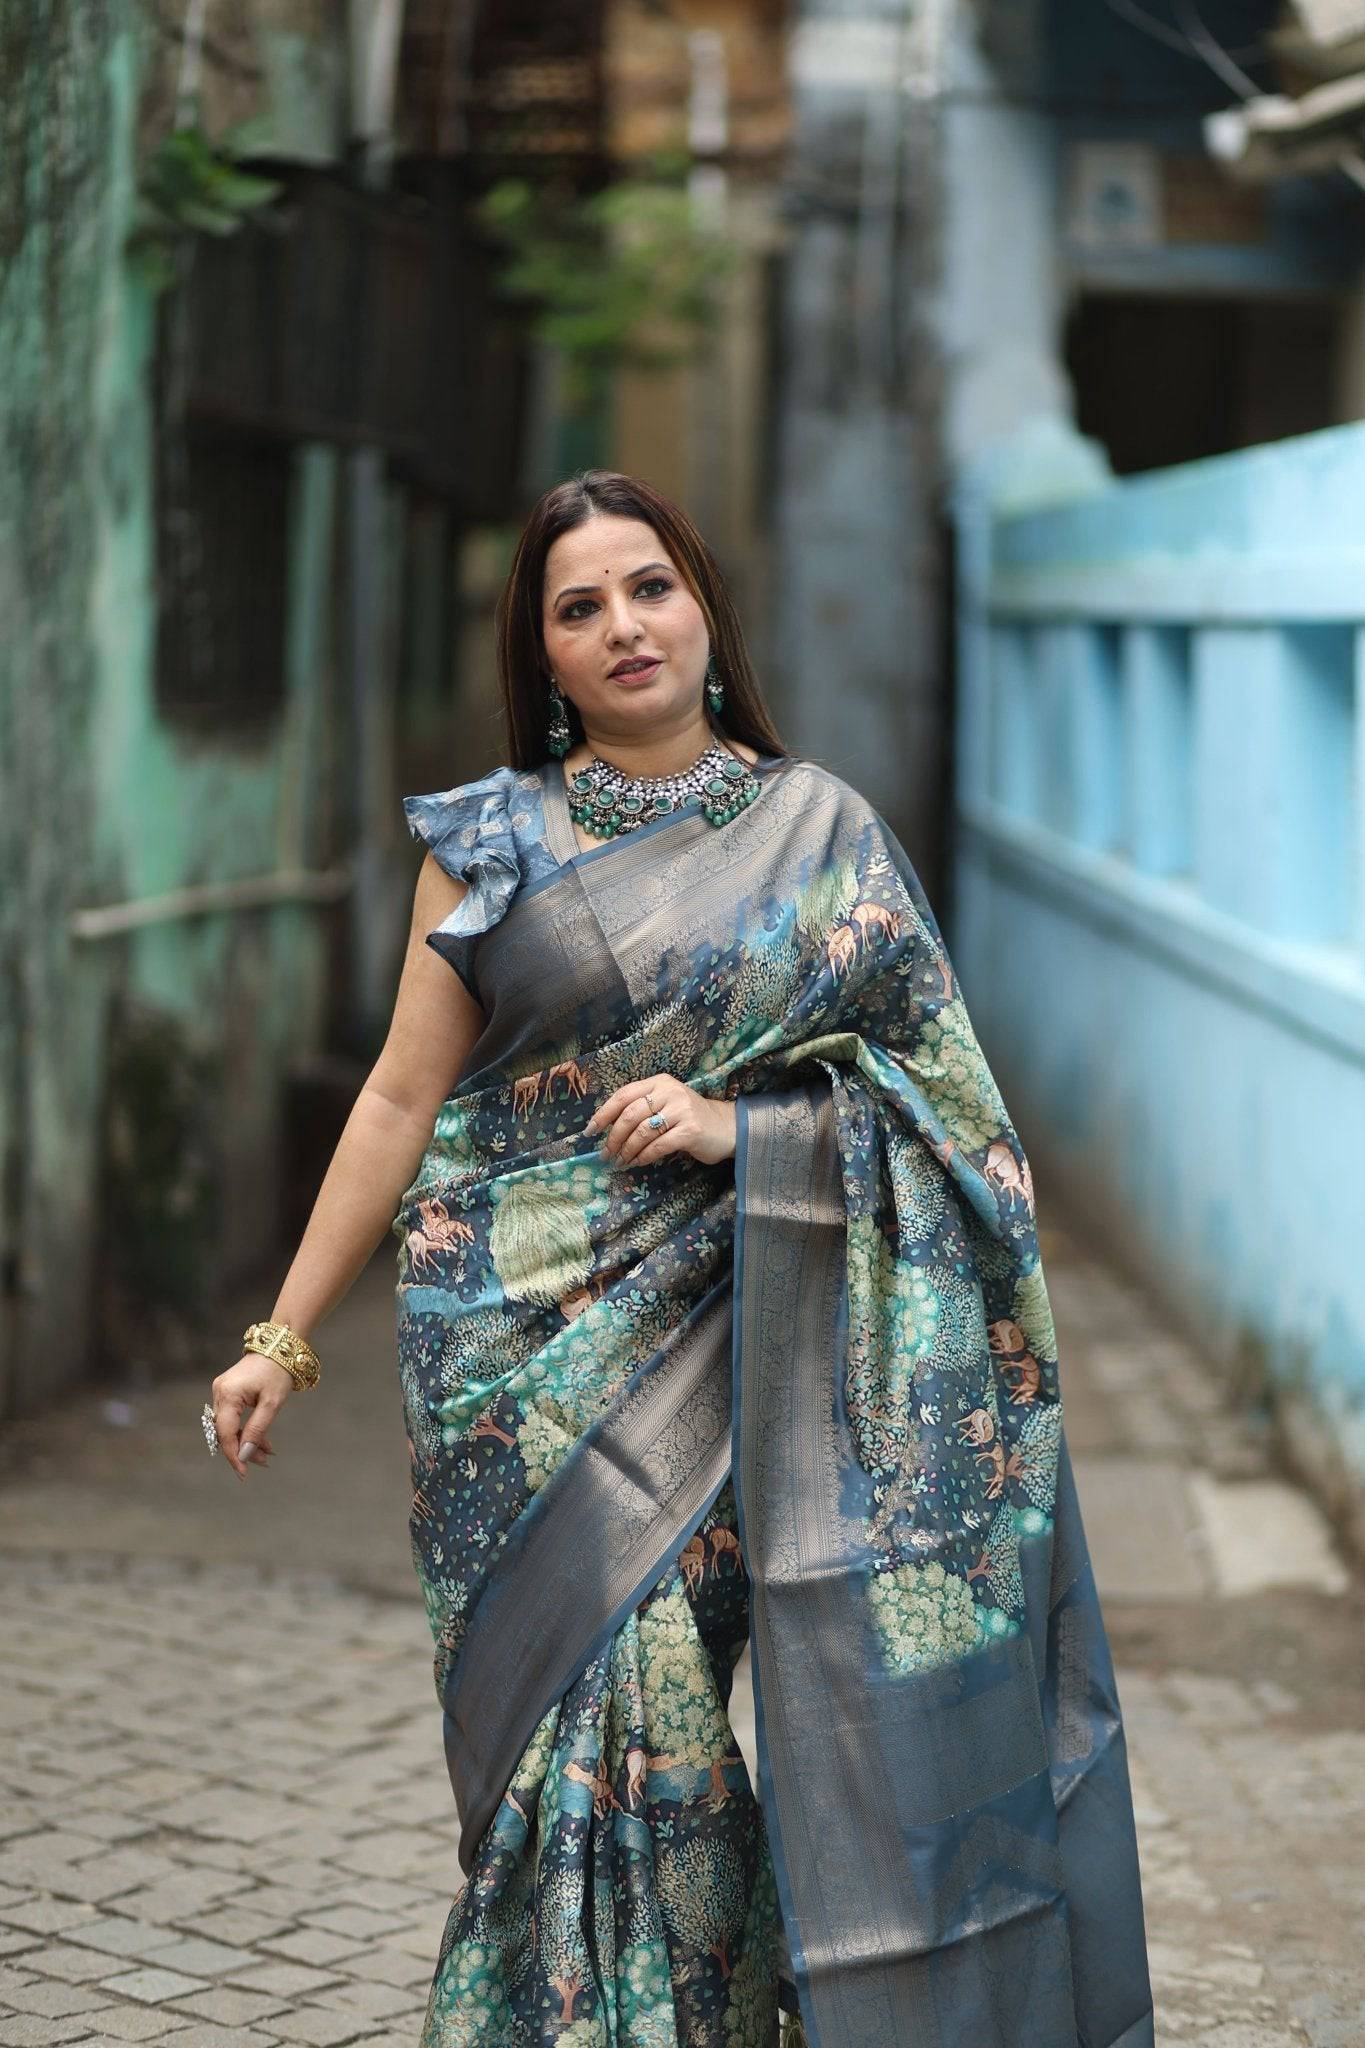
x=639 y=1481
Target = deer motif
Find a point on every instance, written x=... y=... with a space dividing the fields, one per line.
x=1003 y=1171
x=437 y=1231
x=1025 y=1389
x=841 y=948
x=1005 y=1338
x=977 y=1428
x=875 y=917
x=599 y=1782
x=525 y=1093
x=692 y=1561
x=1010 y=1345
x=637 y=1764
x=725 y=1543
x=1002 y=1468
x=577 y=1299
x=573 y=1074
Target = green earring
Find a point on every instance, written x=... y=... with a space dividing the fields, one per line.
x=715 y=688
x=558 y=738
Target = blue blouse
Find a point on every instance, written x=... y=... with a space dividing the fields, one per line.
x=490 y=834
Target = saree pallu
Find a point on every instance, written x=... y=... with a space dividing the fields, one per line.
x=808 y=1400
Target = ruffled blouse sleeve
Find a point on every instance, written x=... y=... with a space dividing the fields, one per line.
x=470 y=834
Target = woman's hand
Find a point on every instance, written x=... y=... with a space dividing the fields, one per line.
x=695 y=1125
x=257 y=1387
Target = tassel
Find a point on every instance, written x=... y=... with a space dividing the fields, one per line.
x=793 y=2034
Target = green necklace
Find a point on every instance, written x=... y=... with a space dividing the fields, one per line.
x=607 y=802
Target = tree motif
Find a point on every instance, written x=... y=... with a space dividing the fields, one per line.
x=542 y=1440
x=561 y=1938
x=470 y=1996
x=827 y=900
x=953 y=1073
x=891 y=1313
x=1033 y=1313
x=919 y=1186
x=683 y=1717
x=539 y=1242
x=751 y=2014
x=701 y=1886
x=926 y=1616
x=644 y=1995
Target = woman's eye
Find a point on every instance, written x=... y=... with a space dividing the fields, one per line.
x=659 y=585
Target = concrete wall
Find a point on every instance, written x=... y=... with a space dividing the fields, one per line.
x=1160 y=918
x=142 y=1069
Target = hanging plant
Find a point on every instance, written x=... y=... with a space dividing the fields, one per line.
x=626 y=275
x=190 y=185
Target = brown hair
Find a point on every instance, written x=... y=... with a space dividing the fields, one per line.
x=523 y=675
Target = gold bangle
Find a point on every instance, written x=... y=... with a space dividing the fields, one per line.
x=287 y=1348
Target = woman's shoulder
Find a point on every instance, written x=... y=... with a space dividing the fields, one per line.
x=489 y=834
x=452 y=821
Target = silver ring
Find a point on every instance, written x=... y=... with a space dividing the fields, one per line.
x=649 y=1098
x=657 y=1122
x=210 y=1433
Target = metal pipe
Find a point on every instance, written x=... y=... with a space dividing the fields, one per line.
x=248 y=892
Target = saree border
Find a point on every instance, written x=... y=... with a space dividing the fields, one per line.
x=937 y=1858
x=790 y=1277
x=645 y=1475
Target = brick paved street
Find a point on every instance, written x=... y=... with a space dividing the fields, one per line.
x=224 y=1814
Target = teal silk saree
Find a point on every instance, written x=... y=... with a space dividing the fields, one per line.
x=806 y=1400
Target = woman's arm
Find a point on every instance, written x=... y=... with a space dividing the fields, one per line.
x=433 y=1029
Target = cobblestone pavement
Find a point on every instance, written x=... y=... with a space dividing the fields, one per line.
x=224 y=1813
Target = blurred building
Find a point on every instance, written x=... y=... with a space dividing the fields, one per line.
x=1152 y=332
x=251 y=529
x=231 y=518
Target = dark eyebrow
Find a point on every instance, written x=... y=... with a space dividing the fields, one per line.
x=573 y=589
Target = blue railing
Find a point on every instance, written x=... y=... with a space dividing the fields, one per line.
x=1160 y=902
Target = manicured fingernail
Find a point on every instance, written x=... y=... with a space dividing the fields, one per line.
x=245 y=1451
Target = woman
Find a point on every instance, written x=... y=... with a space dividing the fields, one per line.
x=721 y=1320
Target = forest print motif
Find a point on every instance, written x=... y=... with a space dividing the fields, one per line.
x=624 y=1894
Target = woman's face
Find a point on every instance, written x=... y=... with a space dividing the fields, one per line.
x=612 y=596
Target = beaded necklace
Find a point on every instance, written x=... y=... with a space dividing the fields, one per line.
x=607 y=802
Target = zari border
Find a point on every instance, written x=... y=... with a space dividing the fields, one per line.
x=790 y=1337
x=641 y=1479
x=925 y=1895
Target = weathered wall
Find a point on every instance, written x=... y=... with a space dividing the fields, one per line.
x=142 y=1071
x=69 y=74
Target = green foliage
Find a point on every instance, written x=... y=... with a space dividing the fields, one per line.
x=624 y=275
x=189 y=185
